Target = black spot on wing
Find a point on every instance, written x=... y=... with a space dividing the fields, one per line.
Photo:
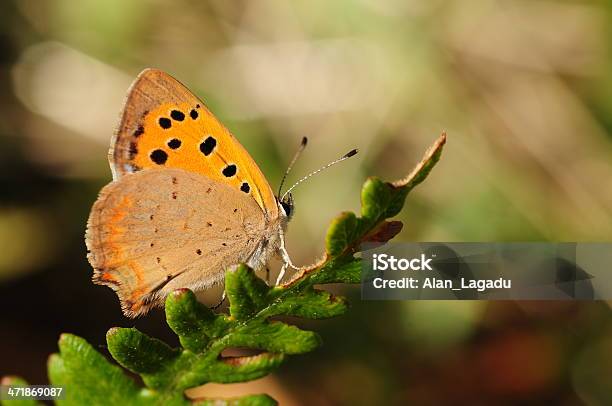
x=229 y=170
x=174 y=143
x=159 y=156
x=208 y=146
x=177 y=115
x=165 y=123
x=245 y=187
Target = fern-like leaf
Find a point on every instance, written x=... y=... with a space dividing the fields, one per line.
x=167 y=372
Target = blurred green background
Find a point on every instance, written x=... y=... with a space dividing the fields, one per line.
x=523 y=89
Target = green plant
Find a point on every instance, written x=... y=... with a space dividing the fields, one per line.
x=167 y=372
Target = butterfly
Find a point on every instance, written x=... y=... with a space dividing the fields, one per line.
x=186 y=202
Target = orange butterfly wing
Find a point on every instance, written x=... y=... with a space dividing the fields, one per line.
x=164 y=125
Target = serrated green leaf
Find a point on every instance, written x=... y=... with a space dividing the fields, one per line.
x=375 y=198
x=88 y=377
x=341 y=233
x=246 y=292
x=339 y=271
x=230 y=370
x=57 y=370
x=422 y=169
x=276 y=337
x=138 y=352
x=194 y=323
x=313 y=304
x=402 y=187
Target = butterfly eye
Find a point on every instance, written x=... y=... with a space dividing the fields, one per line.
x=286 y=208
x=287 y=205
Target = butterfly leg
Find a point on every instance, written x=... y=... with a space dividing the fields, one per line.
x=286 y=260
x=281 y=273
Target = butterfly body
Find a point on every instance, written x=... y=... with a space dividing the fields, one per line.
x=187 y=201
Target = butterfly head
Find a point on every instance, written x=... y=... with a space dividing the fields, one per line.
x=286 y=205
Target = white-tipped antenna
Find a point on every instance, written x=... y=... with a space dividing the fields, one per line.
x=345 y=156
x=295 y=158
